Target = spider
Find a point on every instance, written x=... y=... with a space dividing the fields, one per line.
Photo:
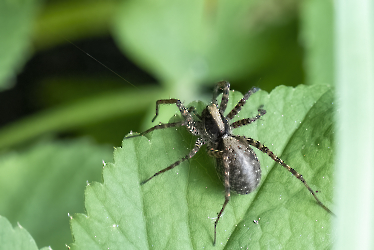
x=237 y=165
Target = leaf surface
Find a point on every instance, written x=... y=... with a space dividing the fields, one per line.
x=177 y=210
x=40 y=185
x=16 y=238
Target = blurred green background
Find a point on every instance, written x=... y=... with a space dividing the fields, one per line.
x=53 y=93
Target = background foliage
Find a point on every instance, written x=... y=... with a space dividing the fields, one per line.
x=53 y=94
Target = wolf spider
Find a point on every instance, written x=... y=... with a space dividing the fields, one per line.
x=237 y=164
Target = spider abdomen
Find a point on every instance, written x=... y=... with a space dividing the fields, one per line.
x=244 y=166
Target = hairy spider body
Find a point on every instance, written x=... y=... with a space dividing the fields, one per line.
x=237 y=164
x=243 y=179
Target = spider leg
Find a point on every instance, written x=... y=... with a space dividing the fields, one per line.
x=241 y=103
x=225 y=87
x=198 y=144
x=226 y=165
x=179 y=104
x=215 y=152
x=266 y=150
x=188 y=119
x=159 y=126
x=247 y=121
x=163 y=125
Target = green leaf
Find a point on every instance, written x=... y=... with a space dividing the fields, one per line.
x=17 y=238
x=177 y=210
x=16 y=18
x=41 y=185
x=187 y=43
